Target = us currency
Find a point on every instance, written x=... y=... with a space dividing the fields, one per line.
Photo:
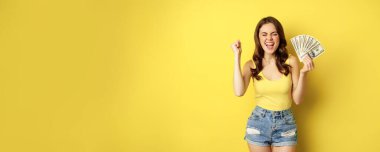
x=306 y=45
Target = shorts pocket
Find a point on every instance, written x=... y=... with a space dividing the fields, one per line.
x=256 y=116
x=290 y=120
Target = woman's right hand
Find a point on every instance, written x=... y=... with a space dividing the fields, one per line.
x=236 y=47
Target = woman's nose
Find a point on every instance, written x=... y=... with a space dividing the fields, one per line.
x=269 y=37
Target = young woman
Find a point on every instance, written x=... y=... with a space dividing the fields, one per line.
x=278 y=82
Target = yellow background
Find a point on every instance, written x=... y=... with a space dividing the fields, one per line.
x=139 y=76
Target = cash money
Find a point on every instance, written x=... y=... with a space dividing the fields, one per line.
x=306 y=45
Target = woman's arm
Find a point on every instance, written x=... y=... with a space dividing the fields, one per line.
x=299 y=77
x=240 y=81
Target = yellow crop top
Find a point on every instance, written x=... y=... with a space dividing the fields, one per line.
x=274 y=94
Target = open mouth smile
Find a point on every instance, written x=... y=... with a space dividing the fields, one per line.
x=269 y=45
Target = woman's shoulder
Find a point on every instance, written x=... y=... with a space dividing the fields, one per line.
x=291 y=60
x=251 y=63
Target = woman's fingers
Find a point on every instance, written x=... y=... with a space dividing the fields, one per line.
x=308 y=64
x=236 y=44
x=311 y=63
x=306 y=58
x=236 y=47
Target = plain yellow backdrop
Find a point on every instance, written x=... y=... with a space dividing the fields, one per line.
x=142 y=76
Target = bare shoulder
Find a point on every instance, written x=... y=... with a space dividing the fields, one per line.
x=292 y=60
x=250 y=64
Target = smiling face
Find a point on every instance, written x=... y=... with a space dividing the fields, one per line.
x=269 y=38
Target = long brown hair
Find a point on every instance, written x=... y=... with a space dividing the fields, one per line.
x=281 y=54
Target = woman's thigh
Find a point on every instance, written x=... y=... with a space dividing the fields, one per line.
x=254 y=148
x=284 y=149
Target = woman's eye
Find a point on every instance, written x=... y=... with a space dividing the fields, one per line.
x=275 y=34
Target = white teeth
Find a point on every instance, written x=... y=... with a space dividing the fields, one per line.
x=269 y=44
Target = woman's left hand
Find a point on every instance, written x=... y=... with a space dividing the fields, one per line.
x=308 y=64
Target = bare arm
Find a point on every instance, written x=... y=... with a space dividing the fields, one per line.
x=240 y=80
x=299 y=78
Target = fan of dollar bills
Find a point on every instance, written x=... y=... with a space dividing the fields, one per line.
x=306 y=45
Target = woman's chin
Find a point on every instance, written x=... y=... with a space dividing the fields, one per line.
x=270 y=51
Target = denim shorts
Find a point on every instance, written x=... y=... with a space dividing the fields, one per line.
x=271 y=128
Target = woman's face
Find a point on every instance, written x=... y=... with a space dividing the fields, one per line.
x=269 y=38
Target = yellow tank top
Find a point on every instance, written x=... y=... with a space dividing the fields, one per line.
x=274 y=94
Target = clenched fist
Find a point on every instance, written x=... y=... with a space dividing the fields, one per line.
x=236 y=47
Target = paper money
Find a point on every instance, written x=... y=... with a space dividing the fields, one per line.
x=306 y=45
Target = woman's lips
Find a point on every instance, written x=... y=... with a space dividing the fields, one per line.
x=269 y=45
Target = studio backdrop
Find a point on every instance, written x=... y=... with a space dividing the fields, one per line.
x=157 y=75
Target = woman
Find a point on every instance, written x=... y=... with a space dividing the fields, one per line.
x=277 y=81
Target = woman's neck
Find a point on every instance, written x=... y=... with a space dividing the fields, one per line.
x=269 y=58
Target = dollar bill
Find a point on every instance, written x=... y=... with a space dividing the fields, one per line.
x=306 y=45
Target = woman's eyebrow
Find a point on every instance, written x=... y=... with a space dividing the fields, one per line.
x=271 y=32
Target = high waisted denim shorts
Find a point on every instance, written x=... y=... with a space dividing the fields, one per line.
x=271 y=128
